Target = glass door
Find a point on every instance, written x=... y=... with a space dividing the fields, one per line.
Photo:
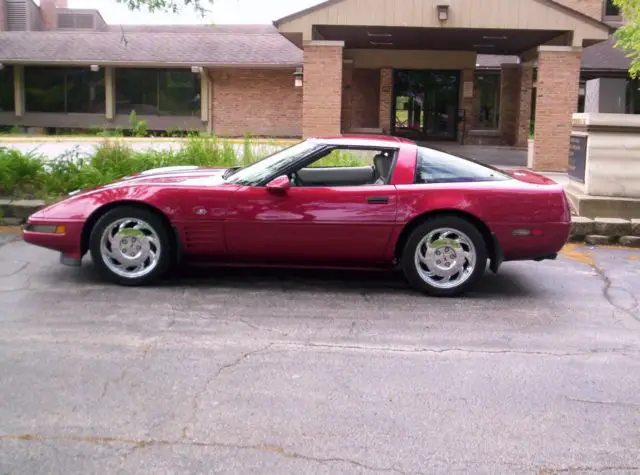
x=408 y=101
x=426 y=104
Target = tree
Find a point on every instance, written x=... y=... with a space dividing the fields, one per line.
x=628 y=36
x=167 y=5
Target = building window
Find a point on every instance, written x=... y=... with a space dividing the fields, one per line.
x=610 y=9
x=488 y=90
x=582 y=95
x=64 y=90
x=168 y=92
x=6 y=90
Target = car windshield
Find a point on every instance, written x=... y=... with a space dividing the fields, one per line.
x=259 y=171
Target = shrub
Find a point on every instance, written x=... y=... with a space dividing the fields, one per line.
x=20 y=173
x=32 y=176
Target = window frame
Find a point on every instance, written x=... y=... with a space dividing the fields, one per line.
x=501 y=175
x=315 y=154
x=606 y=16
x=10 y=73
x=158 y=77
x=497 y=100
x=63 y=78
x=394 y=151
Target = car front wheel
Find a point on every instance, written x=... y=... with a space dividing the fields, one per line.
x=130 y=246
x=445 y=256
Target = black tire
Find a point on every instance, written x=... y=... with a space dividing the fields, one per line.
x=409 y=266
x=159 y=227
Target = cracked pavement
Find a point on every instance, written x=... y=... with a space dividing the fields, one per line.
x=287 y=372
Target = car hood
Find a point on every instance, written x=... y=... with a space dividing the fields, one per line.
x=182 y=175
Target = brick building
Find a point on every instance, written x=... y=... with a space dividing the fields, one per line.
x=463 y=70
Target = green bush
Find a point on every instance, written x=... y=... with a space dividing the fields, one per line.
x=32 y=176
x=20 y=173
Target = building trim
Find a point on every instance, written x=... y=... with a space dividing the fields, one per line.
x=551 y=3
x=577 y=14
x=559 y=49
x=338 y=44
x=18 y=91
x=145 y=64
x=304 y=12
x=205 y=100
x=109 y=93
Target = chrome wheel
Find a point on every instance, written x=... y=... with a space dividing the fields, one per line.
x=445 y=258
x=130 y=248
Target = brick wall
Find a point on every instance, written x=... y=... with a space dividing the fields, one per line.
x=556 y=101
x=365 y=102
x=322 y=96
x=259 y=102
x=592 y=8
x=386 y=96
x=524 y=112
x=509 y=102
x=347 y=83
x=49 y=15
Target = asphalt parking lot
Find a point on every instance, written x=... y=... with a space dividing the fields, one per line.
x=291 y=372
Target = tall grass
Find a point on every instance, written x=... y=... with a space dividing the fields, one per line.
x=32 y=176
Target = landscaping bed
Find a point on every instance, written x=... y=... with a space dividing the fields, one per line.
x=33 y=176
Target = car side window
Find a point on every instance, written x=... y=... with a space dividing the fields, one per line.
x=434 y=166
x=343 y=157
x=347 y=167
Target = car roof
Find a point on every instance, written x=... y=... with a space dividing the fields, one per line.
x=363 y=140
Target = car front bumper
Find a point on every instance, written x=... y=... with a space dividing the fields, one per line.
x=63 y=236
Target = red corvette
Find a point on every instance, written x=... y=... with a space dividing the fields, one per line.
x=438 y=217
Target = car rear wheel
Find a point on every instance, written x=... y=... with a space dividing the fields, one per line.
x=130 y=246
x=444 y=257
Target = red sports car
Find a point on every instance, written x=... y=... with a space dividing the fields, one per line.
x=440 y=218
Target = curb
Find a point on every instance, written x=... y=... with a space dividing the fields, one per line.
x=605 y=231
x=16 y=212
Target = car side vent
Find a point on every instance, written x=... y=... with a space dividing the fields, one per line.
x=198 y=237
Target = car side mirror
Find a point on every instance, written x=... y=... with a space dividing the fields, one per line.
x=279 y=185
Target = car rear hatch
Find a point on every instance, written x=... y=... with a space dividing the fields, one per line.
x=527 y=176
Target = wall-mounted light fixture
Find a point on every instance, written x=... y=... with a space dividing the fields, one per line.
x=443 y=12
x=196 y=69
x=1 y=66
x=95 y=68
x=298 y=75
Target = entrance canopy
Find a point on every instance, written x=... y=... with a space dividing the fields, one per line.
x=488 y=26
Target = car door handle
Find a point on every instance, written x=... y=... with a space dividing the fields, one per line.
x=378 y=200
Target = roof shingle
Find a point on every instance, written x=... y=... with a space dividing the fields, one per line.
x=208 y=45
x=605 y=56
x=259 y=45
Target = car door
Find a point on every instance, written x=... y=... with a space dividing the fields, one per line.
x=326 y=225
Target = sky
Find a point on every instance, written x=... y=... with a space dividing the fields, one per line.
x=223 y=11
